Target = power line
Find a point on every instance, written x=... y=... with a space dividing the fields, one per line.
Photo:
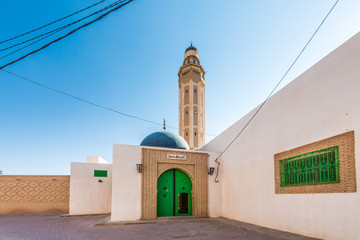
x=253 y=116
x=66 y=35
x=58 y=20
x=81 y=99
x=52 y=32
x=72 y=96
x=89 y=102
x=28 y=45
x=60 y=28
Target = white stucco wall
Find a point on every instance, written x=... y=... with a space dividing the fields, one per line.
x=126 y=190
x=214 y=189
x=322 y=102
x=87 y=194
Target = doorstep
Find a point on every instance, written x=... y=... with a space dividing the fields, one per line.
x=107 y=221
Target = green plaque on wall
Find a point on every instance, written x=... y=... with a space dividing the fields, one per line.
x=100 y=173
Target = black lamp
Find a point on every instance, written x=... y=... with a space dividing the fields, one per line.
x=211 y=170
x=139 y=167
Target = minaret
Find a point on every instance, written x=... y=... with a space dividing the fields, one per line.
x=192 y=99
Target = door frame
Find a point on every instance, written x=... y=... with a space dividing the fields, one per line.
x=155 y=161
x=174 y=192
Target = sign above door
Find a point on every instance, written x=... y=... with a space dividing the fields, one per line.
x=176 y=156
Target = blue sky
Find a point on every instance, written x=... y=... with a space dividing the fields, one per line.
x=129 y=61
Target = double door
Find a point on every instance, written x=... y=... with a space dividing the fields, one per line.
x=174 y=194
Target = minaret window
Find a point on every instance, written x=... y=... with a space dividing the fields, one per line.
x=187 y=134
x=195 y=121
x=187 y=95
x=191 y=60
x=195 y=96
x=186 y=116
x=195 y=138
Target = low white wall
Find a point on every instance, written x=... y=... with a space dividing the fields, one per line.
x=87 y=194
x=126 y=190
x=95 y=159
x=322 y=102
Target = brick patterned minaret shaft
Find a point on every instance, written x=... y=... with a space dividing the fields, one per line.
x=192 y=99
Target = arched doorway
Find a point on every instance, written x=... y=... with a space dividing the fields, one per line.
x=174 y=194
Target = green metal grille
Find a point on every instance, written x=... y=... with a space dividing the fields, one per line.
x=318 y=167
x=100 y=173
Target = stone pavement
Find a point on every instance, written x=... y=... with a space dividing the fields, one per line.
x=52 y=226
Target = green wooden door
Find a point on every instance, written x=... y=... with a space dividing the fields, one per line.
x=174 y=194
x=165 y=195
x=183 y=186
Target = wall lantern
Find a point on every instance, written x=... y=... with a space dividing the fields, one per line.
x=139 y=167
x=211 y=170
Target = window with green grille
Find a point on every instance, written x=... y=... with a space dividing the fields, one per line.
x=317 y=167
x=100 y=173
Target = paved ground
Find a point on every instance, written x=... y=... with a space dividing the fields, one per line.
x=54 y=227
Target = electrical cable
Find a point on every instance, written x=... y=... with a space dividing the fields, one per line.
x=256 y=112
x=52 y=32
x=66 y=35
x=65 y=26
x=89 y=102
x=64 y=93
x=28 y=45
x=60 y=19
x=72 y=96
x=81 y=99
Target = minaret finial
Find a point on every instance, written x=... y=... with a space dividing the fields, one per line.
x=191 y=43
x=164 y=127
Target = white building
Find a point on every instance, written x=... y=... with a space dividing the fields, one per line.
x=294 y=167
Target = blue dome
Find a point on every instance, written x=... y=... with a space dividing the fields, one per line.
x=166 y=140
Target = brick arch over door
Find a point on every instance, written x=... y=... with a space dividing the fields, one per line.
x=188 y=169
